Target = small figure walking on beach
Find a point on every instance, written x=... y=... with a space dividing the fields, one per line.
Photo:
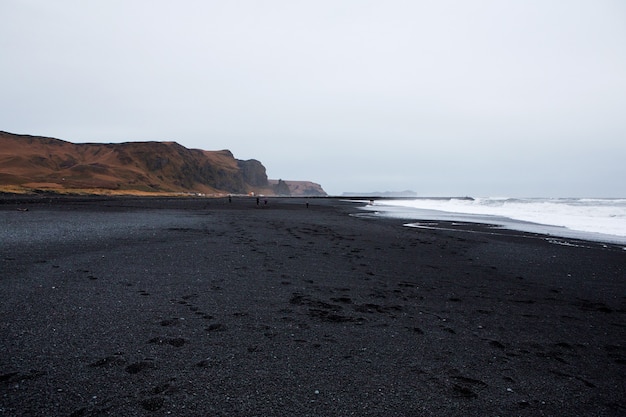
x=257 y=201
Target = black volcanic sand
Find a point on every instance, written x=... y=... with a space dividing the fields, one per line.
x=201 y=307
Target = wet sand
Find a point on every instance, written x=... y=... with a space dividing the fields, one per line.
x=201 y=307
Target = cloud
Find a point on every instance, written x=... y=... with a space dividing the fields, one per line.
x=353 y=94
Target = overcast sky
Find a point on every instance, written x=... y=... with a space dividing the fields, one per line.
x=459 y=97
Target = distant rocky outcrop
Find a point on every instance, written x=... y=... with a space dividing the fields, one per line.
x=297 y=188
x=387 y=194
x=42 y=163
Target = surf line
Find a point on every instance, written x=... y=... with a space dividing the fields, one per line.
x=452 y=229
x=550 y=239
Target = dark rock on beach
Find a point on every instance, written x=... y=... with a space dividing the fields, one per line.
x=198 y=307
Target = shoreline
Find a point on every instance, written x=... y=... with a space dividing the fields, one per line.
x=447 y=220
x=497 y=221
x=142 y=306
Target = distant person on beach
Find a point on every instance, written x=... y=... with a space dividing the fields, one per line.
x=257 y=201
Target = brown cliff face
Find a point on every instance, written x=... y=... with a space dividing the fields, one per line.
x=46 y=163
x=253 y=172
x=297 y=188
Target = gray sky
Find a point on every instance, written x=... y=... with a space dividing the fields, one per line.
x=458 y=97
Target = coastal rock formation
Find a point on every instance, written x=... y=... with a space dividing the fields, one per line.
x=253 y=172
x=297 y=188
x=385 y=194
x=42 y=163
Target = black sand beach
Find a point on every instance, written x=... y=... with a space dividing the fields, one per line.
x=201 y=307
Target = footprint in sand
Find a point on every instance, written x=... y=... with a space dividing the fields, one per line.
x=152 y=403
x=141 y=366
x=216 y=327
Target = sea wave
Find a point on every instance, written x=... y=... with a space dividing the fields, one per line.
x=588 y=215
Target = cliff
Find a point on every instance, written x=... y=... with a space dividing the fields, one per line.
x=297 y=188
x=41 y=163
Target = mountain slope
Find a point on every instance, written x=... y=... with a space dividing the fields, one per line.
x=48 y=163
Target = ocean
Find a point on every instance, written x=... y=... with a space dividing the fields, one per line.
x=596 y=219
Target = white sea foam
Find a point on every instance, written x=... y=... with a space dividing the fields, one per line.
x=588 y=218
